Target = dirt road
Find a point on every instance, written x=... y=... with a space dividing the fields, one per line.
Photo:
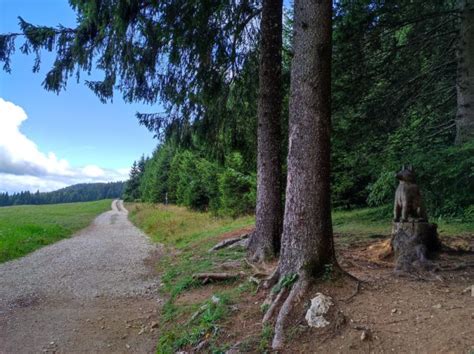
x=93 y=292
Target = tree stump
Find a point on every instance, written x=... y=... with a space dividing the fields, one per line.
x=413 y=244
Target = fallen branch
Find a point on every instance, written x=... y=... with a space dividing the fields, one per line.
x=208 y=277
x=460 y=266
x=200 y=346
x=228 y=242
x=198 y=312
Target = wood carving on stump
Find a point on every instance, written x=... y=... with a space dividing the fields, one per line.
x=414 y=239
x=413 y=244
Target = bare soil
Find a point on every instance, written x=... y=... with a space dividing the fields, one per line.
x=94 y=292
x=429 y=314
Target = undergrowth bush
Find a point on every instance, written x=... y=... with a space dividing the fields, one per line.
x=183 y=177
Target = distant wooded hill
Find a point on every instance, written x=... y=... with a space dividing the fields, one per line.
x=83 y=192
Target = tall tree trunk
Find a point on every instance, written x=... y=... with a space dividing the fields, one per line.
x=465 y=75
x=307 y=241
x=265 y=241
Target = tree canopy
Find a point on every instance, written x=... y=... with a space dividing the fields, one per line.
x=178 y=52
x=393 y=102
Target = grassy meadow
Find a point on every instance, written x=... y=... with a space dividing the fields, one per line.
x=26 y=228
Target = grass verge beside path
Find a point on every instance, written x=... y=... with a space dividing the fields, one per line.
x=207 y=317
x=26 y=228
x=179 y=227
x=188 y=236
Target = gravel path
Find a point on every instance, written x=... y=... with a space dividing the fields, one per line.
x=93 y=292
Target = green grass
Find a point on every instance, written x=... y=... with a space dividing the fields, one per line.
x=369 y=222
x=178 y=328
x=189 y=235
x=178 y=227
x=26 y=228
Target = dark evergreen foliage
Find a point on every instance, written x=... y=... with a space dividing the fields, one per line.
x=184 y=177
x=183 y=53
x=394 y=102
x=393 y=94
x=83 y=192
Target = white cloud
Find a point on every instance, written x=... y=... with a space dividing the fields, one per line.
x=93 y=171
x=14 y=183
x=24 y=167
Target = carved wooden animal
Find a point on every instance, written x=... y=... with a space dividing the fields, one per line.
x=408 y=203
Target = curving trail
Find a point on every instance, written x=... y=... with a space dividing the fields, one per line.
x=93 y=292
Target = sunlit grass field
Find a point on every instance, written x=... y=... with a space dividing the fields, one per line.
x=26 y=228
x=178 y=226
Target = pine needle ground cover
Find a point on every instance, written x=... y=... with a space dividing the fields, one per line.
x=215 y=316
x=24 y=229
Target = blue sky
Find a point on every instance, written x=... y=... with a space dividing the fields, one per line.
x=73 y=125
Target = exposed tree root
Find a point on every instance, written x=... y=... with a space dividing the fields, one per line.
x=282 y=305
x=256 y=256
x=342 y=273
x=272 y=279
x=449 y=250
x=296 y=295
x=275 y=304
x=456 y=267
x=260 y=270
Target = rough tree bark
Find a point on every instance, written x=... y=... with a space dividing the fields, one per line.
x=265 y=241
x=307 y=229
x=465 y=74
x=307 y=241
